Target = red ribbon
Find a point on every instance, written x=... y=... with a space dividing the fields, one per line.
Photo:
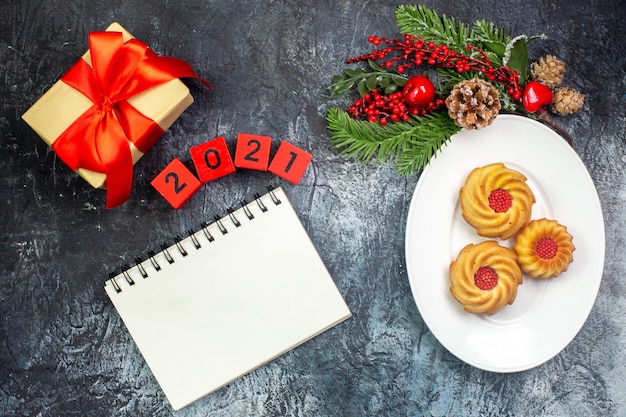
x=99 y=140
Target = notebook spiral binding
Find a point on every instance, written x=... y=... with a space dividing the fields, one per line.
x=165 y=248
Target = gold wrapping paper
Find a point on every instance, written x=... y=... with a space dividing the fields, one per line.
x=61 y=105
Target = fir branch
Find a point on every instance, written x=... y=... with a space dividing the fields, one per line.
x=409 y=145
x=491 y=38
x=487 y=35
x=423 y=22
x=484 y=31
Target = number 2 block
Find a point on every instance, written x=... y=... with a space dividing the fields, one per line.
x=290 y=162
x=253 y=151
x=212 y=159
x=176 y=183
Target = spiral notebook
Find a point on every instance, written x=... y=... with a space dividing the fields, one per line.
x=227 y=298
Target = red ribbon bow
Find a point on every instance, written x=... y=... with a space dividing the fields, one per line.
x=99 y=140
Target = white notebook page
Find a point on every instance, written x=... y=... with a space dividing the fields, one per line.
x=230 y=306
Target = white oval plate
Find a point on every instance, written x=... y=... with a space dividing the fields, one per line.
x=547 y=314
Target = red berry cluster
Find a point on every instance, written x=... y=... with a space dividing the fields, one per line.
x=385 y=108
x=414 y=51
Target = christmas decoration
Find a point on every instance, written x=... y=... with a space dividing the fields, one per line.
x=548 y=70
x=418 y=92
x=536 y=95
x=468 y=75
x=566 y=101
x=473 y=104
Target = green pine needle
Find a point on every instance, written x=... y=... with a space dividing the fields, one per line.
x=484 y=31
x=409 y=145
x=426 y=23
x=423 y=22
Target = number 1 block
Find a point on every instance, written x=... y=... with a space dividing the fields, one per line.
x=176 y=183
x=253 y=151
x=290 y=162
x=212 y=159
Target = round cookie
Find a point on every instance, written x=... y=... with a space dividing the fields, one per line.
x=496 y=201
x=484 y=277
x=544 y=248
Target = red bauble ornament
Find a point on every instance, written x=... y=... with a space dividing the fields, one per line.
x=536 y=95
x=418 y=92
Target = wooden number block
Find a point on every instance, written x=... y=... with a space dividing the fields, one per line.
x=176 y=183
x=253 y=151
x=212 y=159
x=290 y=162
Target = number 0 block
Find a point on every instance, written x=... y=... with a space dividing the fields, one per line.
x=176 y=183
x=290 y=162
x=253 y=151
x=212 y=159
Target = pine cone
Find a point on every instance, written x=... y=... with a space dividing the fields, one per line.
x=548 y=70
x=566 y=101
x=473 y=104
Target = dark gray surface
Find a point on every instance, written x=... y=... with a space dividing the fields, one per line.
x=63 y=348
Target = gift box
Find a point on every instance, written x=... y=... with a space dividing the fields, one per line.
x=105 y=113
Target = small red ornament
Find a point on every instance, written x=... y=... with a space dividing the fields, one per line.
x=418 y=92
x=536 y=95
